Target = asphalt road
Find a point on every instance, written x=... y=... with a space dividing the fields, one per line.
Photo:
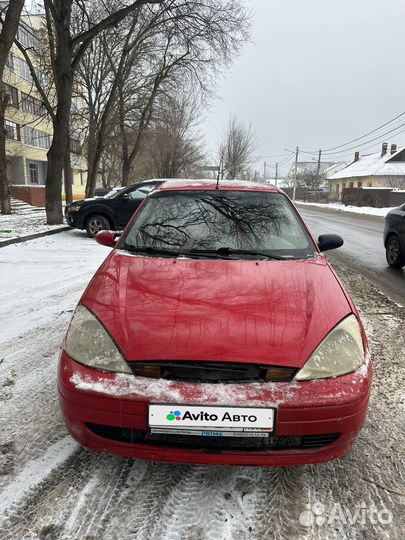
x=363 y=249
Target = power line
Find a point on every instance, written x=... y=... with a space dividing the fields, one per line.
x=358 y=138
x=400 y=128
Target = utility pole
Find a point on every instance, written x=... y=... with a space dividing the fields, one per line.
x=276 y=174
x=318 y=169
x=295 y=173
x=264 y=170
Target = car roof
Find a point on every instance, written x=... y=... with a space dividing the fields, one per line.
x=207 y=184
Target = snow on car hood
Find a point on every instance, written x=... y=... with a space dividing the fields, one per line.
x=267 y=312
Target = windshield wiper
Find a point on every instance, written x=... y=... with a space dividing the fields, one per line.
x=232 y=251
x=169 y=252
x=222 y=252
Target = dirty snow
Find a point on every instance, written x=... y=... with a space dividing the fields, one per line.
x=24 y=220
x=365 y=210
x=52 y=489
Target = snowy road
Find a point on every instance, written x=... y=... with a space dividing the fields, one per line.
x=363 y=248
x=53 y=489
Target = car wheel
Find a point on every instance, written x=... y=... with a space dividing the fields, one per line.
x=393 y=252
x=95 y=224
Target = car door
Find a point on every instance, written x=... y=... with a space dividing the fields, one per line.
x=129 y=202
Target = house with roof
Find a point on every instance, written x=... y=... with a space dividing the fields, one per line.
x=310 y=168
x=385 y=169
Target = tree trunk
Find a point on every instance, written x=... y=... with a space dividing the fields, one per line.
x=53 y=187
x=68 y=175
x=4 y=189
x=8 y=32
x=95 y=154
x=63 y=75
x=125 y=172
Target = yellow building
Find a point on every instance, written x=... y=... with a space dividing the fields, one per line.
x=28 y=126
x=384 y=169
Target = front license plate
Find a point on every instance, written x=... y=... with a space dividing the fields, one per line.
x=210 y=419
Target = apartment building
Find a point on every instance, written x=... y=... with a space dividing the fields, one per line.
x=28 y=126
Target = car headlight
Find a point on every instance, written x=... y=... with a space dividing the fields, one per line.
x=73 y=208
x=339 y=353
x=89 y=343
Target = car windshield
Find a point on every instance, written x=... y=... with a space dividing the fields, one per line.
x=224 y=223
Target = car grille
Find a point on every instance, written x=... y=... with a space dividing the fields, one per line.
x=134 y=436
x=213 y=372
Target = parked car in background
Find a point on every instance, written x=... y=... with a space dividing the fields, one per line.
x=394 y=237
x=113 y=211
x=216 y=332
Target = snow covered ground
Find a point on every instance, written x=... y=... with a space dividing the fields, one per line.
x=50 y=488
x=366 y=210
x=24 y=220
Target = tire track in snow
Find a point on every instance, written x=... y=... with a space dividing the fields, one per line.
x=31 y=420
x=141 y=520
x=194 y=509
x=34 y=474
x=277 y=504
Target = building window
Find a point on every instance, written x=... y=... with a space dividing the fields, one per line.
x=343 y=185
x=337 y=188
x=10 y=62
x=369 y=184
x=12 y=93
x=359 y=184
x=25 y=70
x=351 y=184
x=32 y=105
x=37 y=138
x=28 y=38
x=12 y=130
x=33 y=173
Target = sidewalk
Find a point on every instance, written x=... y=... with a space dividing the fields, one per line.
x=338 y=207
x=25 y=223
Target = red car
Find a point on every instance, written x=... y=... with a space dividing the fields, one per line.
x=216 y=332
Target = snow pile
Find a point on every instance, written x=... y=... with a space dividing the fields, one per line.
x=166 y=391
x=365 y=210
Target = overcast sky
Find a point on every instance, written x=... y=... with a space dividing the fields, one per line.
x=318 y=74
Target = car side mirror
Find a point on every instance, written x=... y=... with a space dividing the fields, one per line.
x=107 y=238
x=125 y=197
x=329 y=241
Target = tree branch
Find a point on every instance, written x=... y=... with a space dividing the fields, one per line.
x=83 y=40
x=37 y=82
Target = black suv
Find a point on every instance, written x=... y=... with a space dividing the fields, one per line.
x=394 y=237
x=113 y=211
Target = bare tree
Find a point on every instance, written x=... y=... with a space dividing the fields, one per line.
x=172 y=148
x=67 y=48
x=396 y=182
x=236 y=149
x=9 y=27
x=188 y=47
x=214 y=29
x=311 y=180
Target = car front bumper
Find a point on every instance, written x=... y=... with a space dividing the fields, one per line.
x=119 y=403
x=74 y=219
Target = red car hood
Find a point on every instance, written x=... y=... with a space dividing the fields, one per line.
x=268 y=312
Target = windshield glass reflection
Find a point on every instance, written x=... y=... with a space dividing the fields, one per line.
x=237 y=221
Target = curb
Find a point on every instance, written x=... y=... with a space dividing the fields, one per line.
x=340 y=212
x=33 y=236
